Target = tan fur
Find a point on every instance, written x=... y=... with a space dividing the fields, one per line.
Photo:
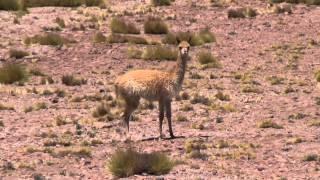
x=153 y=85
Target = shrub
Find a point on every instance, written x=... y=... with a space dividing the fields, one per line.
x=70 y=80
x=11 y=73
x=11 y=5
x=195 y=39
x=155 y=25
x=101 y=110
x=76 y=151
x=241 y=12
x=200 y=99
x=119 y=25
x=159 y=53
x=63 y=3
x=275 y=80
x=236 y=13
x=206 y=58
x=310 y=157
x=134 y=53
x=8 y=108
x=161 y=2
x=269 y=124
x=18 y=54
x=117 y=38
x=60 y=22
x=222 y=97
x=99 y=38
x=318 y=76
x=51 y=39
x=129 y=162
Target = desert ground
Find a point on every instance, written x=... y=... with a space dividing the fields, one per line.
x=267 y=76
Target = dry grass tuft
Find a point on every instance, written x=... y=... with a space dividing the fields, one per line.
x=160 y=2
x=119 y=25
x=269 y=124
x=70 y=80
x=18 y=54
x=208 y=60
x=159 y=53
x=51 y=39
x=154 y=25
x=125 y=163
x=11 y=73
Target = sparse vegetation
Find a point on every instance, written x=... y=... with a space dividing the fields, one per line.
x=1 y=124
x=251 y=89
x=310 y=157
x=60 y=22
x=275 y=80
x=241 y=12
x=196 y=39
x=309 y=2
x=269 y=124
x=222 y=97
x=134 y=53
x=50 y=39
x=119 y=25
x=11 y=73
x=197 y=98
x=194 y=149
x=117 y=38
x=99 y=38
x=161 y=2
x=125 y=163
x=154 y=25
x=63 y=3
x=159 y=53
x=6 y=108
x=317 y=75
x=13 y=5
x=18 y=54
x=315 y=122
x=208 y=60
x=71 y=80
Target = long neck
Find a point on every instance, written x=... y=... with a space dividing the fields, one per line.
x=180 y=69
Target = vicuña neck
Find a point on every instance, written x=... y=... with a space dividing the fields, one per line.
x=180 y=68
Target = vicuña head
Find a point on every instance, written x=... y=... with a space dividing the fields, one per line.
x=153 y=85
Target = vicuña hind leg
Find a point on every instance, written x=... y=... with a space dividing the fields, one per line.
x=132 y=104
x=168 y=114
x=161 y=117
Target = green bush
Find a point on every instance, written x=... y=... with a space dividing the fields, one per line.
x=154 y=25
x=11 y=73
x=119 y=25
x=129 y=162
x=161 y=2
x=159 y=53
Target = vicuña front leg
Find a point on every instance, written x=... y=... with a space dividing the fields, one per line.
x=168 y=113
x=161 y=117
